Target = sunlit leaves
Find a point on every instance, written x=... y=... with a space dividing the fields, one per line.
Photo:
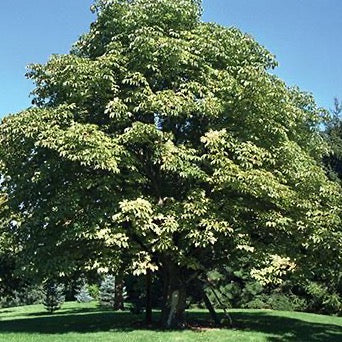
x=161 y=137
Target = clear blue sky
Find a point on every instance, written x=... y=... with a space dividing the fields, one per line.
x=305 y=35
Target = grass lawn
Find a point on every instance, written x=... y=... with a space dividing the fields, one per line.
x=88 y=323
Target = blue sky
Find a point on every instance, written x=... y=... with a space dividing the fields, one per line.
x=305 y=35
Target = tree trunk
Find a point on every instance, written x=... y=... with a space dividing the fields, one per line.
x=173 y=312
x=148 y=312
x=210 y=308
x=119 y=298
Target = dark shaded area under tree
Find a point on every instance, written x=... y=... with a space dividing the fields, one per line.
x=96 y=320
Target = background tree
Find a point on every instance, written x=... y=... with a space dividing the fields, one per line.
x=112 y=292
x=327 y=294
x=82 y=295
x=333 y=134
x=162 y=143
x=53 y=296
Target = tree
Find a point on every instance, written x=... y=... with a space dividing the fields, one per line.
x=333 y=134
x=331 y=286
x=112 y=293
x=53 y=296
x=82 y=295
x=163 y=144
x=10 y=280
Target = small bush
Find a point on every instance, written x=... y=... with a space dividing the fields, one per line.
x=26 y=295
x=322 y=300
x=277 y=301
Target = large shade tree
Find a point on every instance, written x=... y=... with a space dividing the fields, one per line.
x=163 y=144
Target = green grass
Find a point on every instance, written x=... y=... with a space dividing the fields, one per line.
x=88 y=323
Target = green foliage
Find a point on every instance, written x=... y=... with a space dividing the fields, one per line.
x=237 y=289
x=277 y=301
x=333 y=134
x=322 y=300
x=110 y=293
x=24 y=295
x=163 y=142
x=82 y=294
x=94 y=291
x=107 y=291
x=53 y=296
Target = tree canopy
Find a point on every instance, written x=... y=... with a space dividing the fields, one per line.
x=162 y=143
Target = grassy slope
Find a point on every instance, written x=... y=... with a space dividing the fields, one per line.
x=86 y=322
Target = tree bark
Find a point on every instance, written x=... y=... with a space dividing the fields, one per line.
x=173 y=311
x=210 y=308
x=148 y=312
x=119 y=299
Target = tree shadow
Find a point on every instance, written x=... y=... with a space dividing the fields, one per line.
x=2 y=311
x=64 y=312
x=286 y=329
x=78 y=320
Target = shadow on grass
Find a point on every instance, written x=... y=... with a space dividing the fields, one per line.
x=69 y=312
x=286 y=329
x=2 y=311
x=276 y=328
